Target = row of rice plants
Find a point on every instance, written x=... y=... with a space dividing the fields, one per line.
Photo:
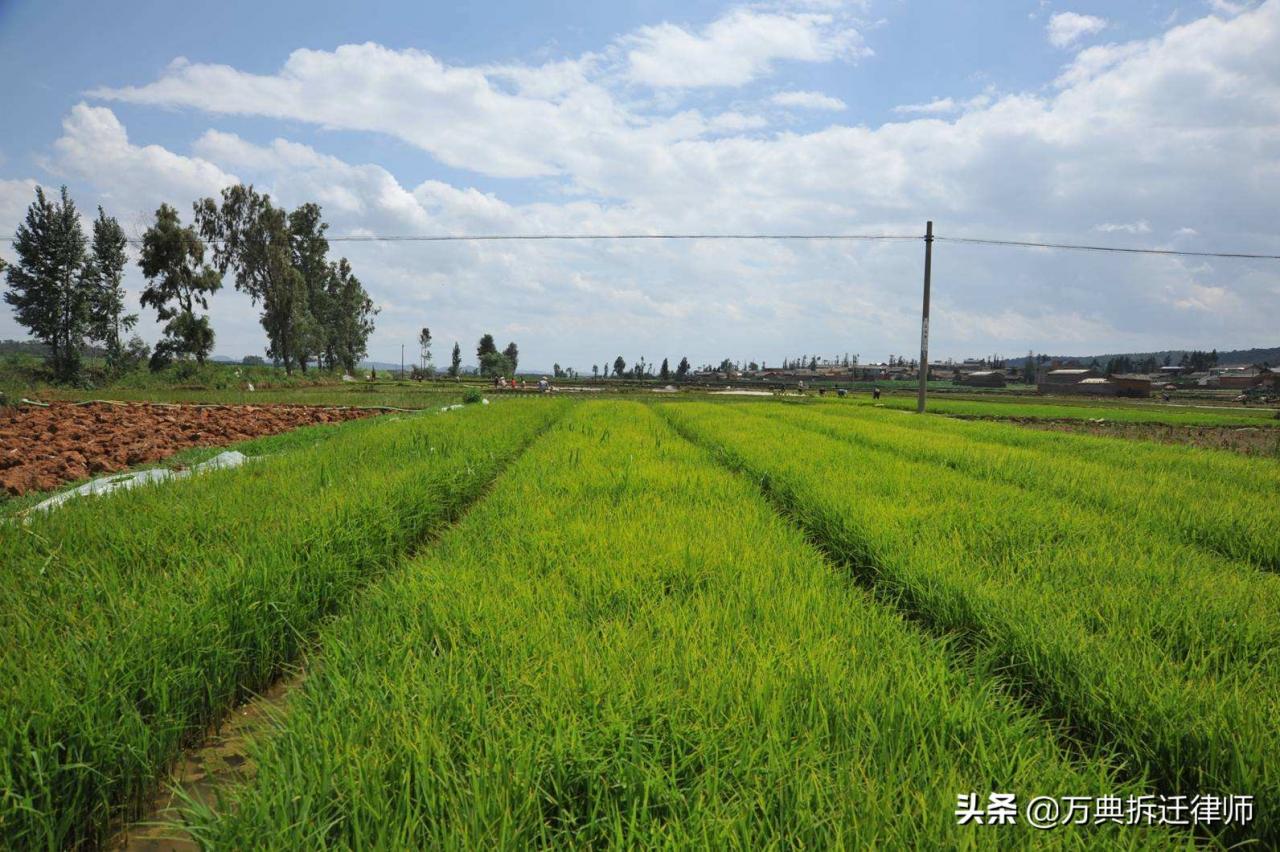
x=623 y=644
x=1168 y=655
x=1149 y=412
x=134 y=622
x=1215 y=514
x=1190 y=463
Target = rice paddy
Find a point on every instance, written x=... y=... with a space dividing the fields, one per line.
x=611 y=623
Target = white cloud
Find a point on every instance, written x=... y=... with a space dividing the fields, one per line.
x=1142 y=226
x=944 y=106
x=737 y=48
x=1066 y=28
x=808 y=100
x=95 y=148
x=1177 y=131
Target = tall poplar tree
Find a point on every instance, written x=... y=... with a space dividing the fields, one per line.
x=105 y=273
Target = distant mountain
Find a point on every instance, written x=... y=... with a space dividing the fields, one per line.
x=1225 y=356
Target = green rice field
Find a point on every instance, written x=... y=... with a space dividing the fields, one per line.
x=664 y=623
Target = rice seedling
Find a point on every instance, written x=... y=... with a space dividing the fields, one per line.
x=624 y=645
x=132 y=623
x=1210 y=512
x=1162 y=651
x=1083 y=409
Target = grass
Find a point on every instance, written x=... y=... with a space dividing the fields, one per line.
x=132 y=623
x=1141 y=643
x=624 y=645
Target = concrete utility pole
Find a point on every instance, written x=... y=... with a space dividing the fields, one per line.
x=924 y=322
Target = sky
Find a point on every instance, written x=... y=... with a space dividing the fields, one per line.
x=1151 y=123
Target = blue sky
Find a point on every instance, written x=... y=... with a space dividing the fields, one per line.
x=1149 y=123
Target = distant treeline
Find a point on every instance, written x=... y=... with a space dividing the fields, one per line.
x=67 y=290
x=1173 y=357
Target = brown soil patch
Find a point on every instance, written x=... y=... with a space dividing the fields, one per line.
x=1250 y=441
x=207 y=774
x=41 y=448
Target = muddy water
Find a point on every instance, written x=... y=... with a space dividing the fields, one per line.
x=215 y=768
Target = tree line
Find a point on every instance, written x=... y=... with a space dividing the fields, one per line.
x=67 y=289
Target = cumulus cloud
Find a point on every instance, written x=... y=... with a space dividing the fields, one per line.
x=95 y=148
x=737 y=48
x=1066 y=28
x=808 y=100
x=1148 y=137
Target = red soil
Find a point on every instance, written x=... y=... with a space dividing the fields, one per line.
x=41 y=448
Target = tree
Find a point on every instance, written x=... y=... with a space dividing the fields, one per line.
x=47 y=286
x=455 y=364
x=309 y=253
x=682 y=369
x=486 y=346
x=104 y=274
x=595 y=371
x=619 y=366
x=350 y=320
x=556 y=371
x=254 y=237
x=664 y=372
x=495 y=364
x=424 y=347
x=177 y=281
x=253 y=361
x=513 y=355
x=1029 y=369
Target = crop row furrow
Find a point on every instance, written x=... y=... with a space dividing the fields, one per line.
x=1170 y=661
x=1204 y=514
x=135 y=622
x=624 y=645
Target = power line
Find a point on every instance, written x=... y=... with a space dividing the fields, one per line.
x=1123 y=249
x=452 y=238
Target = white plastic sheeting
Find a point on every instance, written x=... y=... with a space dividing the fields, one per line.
x=124 y=481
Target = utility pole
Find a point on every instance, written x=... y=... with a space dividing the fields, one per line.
x=924 y=322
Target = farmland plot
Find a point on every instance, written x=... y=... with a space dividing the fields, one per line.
x=623 y=644
x=133 y=623
x=1161 y=650
x=1213 y=510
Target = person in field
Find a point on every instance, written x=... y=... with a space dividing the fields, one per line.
x=875 y=393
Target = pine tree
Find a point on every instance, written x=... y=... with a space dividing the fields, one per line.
x=513 y=355
x=682 y=369
x=664 y=372
x=47 y=287
x=619 y=366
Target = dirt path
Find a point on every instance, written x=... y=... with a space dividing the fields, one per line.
x=220 y=764
x=42 y=447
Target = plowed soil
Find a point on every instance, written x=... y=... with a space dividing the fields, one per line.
x=41 y=448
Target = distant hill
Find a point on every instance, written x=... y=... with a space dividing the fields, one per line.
x=1225 y=356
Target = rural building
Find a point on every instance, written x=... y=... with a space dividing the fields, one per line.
x=1062 y=380
x=1132 y=385
x=984 y=379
